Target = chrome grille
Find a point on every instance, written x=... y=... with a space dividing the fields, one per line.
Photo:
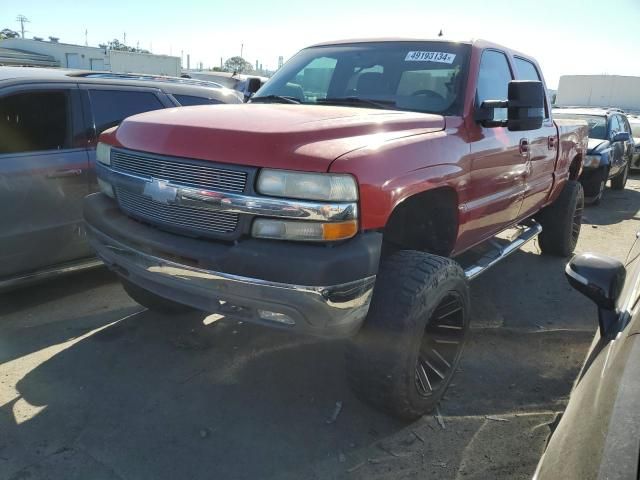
x=179 y=171
x=196 y=220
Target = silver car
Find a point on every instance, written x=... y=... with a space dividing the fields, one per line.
x=50 y=120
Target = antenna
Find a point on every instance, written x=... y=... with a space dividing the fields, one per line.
x=440 y=34
x=22 y=19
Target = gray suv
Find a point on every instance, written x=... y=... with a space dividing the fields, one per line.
x=50 y=120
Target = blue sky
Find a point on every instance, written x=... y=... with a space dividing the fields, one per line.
x=566 y=36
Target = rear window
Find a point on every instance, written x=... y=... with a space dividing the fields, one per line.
x=34 y=121
x=191 y=100
x=110 y=107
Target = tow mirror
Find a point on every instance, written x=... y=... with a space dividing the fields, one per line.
x=254 y=85
x=600 y=279
x=621 y=137
x=525 y=107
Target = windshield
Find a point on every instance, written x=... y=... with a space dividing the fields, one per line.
x=597 y=123
x=415 y=76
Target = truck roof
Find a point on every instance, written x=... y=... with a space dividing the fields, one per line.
x=475 y=43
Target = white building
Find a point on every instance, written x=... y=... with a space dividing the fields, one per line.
x=93 y=58
x=599 y=91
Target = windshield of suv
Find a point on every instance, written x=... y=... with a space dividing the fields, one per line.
x=415 y=76
x=597 y=123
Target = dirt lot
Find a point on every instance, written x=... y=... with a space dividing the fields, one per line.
x=93 y=386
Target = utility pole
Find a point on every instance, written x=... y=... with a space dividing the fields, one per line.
x=22 y=19
x=124 y=41
x=241 y=49
x=86 y=37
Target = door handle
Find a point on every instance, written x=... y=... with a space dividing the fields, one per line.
x=524 y=147
x=551 y=141
x=73 y=172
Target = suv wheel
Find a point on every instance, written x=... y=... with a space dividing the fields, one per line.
x=561 y=221
x=619 y=181
x=410 y=345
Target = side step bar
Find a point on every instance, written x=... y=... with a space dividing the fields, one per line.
x=499 y=251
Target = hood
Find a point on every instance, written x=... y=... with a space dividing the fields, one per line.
x=597 y=145
x=297 y=137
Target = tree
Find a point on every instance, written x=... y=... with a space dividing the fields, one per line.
x=8 y=33
x=115 y=44
x=237 y=65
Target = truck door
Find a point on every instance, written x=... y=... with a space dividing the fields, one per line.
x=498 y=156
x=542 y=149
x=43 y=177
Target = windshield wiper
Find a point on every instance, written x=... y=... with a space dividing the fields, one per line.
x=275 y=99
x=357 y=101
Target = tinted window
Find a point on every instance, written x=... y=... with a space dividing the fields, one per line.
x=493 y=80
x=33 y=121
x=189 y=100
x=110 y=107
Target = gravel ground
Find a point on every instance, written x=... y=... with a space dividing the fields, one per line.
x=93 y=386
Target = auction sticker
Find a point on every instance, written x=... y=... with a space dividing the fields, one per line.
x=441 y=57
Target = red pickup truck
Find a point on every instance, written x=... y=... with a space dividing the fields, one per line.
x=356 y=195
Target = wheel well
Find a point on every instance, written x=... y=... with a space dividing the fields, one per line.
x=427 y=221
x=574 y=168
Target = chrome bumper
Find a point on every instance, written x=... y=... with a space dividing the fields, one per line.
x=330 y=311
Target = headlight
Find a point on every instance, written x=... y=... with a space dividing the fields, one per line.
x=303 y=231
x=103 y=153
x=106 y=188
x=308 y=186
x=591 y=161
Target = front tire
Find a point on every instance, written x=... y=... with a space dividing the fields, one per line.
x=561 y=221
x=594 y=184
x=619 y=181
x=152 y=301
x=410 y=345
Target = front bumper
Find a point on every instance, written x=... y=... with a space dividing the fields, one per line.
x=149 y=258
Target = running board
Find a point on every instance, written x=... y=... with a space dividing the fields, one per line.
x=498 y=251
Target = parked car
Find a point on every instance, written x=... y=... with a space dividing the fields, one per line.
x=50 y=120
x=610 y=152
x=347 y=199
x=634 y=122
x=598 y=435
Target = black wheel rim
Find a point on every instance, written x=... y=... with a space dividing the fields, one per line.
x=441 y=346
x=577 y=220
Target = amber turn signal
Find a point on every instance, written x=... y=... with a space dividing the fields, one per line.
x=339 y=231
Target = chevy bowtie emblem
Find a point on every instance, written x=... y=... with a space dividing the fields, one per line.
x=160 y=191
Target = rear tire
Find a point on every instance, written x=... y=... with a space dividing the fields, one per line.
x=152 y=301
x=410 y=345
x=561 y=221
x=619 y=181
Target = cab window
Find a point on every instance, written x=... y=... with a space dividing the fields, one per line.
x=493 y=80
x=526 y=70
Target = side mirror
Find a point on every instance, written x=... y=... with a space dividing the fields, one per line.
x=525 y=107
x=600 y=279
x=254 y=85
x=621 y=137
